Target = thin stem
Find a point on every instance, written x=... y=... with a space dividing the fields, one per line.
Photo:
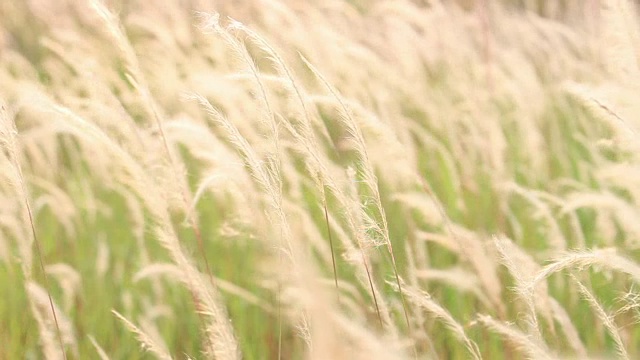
x=355 y=131
x=373 y=292
x=39 y=253
x=333 y=257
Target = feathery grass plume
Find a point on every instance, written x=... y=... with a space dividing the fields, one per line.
x=269 y=179
x=461 y=241
x=416 y=254
x=316 y=328
x=522 y=266
x=425 y=301
x=625 y=131
x=275 y=167
x=138 y=221
x=545 y=200
x=606 y=319
x=364 y=244
x=424 y=204
x=568 y=328
x=134 y=73
x=136 y=78
x=101 y=353
x=479 y=255
x=13 y=228
x=218 y=329
x=8 y=132
x=12 y=224
x=466 y=243
x=315 y=237
x=358 y=342
x=212 y=23
x=535 y=198
x=171 y=270
x=303 y=133
x=326 y=342
x=148 y=343
x=411 y=76
x=622 y=176
x=522 y=342
x=69 y=280
x=263 y=176
x=458 y=278
x=223 y=175
x=356 y=246
x=326 y=335
x=39 y=301
x=387 y=145
x=609 y=206
x=631 y=299
x=370 y=181
x=351 y=300
x=127 y=169
x=445 y=241
x=604 y=259
x=60 y=203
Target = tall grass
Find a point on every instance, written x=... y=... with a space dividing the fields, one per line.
x=335 y=180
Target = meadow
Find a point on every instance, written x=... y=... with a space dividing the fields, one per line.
x=339 y=179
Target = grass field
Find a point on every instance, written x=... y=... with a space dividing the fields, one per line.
x=341 y=179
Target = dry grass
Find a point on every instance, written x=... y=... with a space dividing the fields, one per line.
x=342 y=180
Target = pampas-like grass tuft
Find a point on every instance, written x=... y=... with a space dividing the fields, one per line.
x=334 y=180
